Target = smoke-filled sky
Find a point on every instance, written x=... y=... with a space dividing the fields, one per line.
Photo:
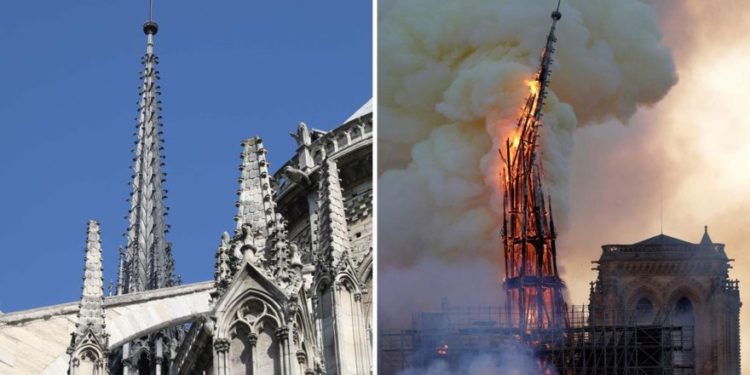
x=624 y=137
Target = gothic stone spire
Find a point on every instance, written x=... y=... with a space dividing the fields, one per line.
x=256 y=211
x=88 y=346
x=148 y=253
x=261 y=235
x=332 y=229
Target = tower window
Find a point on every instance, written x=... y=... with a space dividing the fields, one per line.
x=683 y=312
x=644 y=311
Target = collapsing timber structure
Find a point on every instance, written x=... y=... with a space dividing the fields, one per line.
x=533 y=287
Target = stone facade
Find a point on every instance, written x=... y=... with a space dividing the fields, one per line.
x=291 y=298
x=664 y=280
x=293 y=284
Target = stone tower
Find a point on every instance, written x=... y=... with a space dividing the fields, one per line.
x=665 y=280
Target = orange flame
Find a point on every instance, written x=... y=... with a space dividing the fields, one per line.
x=533 y=86
x=442 y=351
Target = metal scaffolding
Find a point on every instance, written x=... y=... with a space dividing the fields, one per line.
x=624 y=344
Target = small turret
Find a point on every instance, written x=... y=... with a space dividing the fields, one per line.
x=89 y=341
x=706 y=239
x=333 y=230
x=255 y=206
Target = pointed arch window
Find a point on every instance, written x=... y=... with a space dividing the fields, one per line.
x=644 y=311
x=684 y=315
x=144 y=367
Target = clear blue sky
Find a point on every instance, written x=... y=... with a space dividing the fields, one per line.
x=230 y=69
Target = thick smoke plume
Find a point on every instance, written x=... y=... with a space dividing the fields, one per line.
x=452 y=78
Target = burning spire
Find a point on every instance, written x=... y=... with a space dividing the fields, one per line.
x=533 y=286
x=148 y=254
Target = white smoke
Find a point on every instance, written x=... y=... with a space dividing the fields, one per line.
x=451 y=82
x=510 y=362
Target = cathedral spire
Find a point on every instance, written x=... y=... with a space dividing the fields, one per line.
x=88 y=346
x=532 y=284
x=148 y=253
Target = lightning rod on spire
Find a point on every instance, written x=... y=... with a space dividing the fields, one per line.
x=150 y=27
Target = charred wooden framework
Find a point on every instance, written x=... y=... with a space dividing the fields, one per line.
x=532 y=284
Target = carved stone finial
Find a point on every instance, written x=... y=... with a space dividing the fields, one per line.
x=223 y=272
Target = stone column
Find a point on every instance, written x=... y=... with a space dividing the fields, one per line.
x=282 y=337
x=363 y=363
x=301 y=361
x=252 y=339
x=159 y=355
x=127 y=365
x=101 y=366
x=312 y=208
x=221 y=348
x=74 y=363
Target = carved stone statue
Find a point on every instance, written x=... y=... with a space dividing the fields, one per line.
x=302 y=136
x=296 y=260
x=245 y=242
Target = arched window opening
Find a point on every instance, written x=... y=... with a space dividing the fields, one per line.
x=269 y=355
x=644 y=311
x=144 y=366
x=683 y=312
x=241 y=350
x=88 y=362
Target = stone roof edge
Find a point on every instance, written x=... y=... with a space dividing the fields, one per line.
x=46 y=312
